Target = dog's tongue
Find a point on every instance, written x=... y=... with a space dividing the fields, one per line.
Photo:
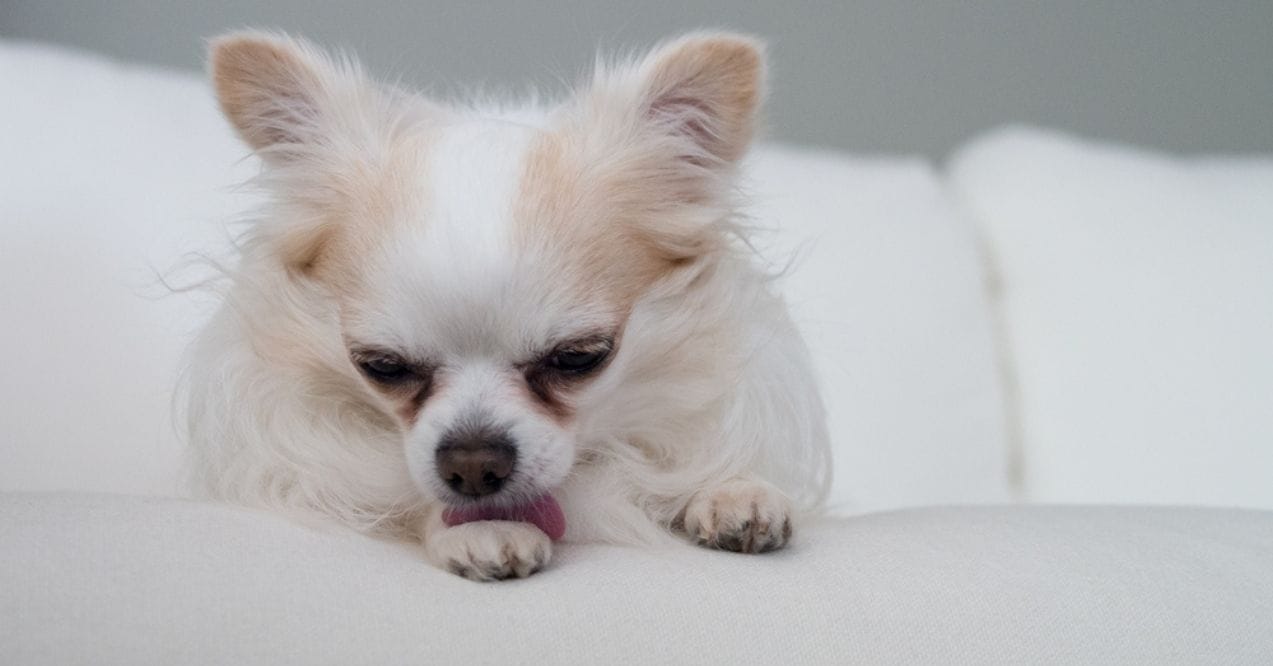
x=542 y=512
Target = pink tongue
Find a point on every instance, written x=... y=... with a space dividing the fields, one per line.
x=542 y=512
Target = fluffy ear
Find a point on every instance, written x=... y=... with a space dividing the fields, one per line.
x=706 y=87
x=281 y=94
x=297 y=107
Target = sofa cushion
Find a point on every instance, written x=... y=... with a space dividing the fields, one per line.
x=110 y=175
x=115 y=171
x=1137 y=293
x=887 y=284
x=99 y=579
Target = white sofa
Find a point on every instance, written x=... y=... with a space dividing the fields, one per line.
x=1045 y=320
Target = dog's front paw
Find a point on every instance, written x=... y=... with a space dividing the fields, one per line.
x=490 y=549
x=743 y=515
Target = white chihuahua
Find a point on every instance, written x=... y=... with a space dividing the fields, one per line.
x=485 y=329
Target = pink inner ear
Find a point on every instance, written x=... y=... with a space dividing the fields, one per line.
x=689 y=117
x=265 y=85
x=706 y=88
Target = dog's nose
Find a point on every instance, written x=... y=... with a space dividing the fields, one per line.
x=475 y=464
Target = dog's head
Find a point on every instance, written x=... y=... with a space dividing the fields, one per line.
x=480 y=267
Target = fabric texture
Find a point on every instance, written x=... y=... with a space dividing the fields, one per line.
x=101 y=579
x=1138 y=306
x=117 y=172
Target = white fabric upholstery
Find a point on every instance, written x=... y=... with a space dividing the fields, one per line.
x=99 y=579
x=886 y=283
x=1137 y=291
x=109 y=175
x=113 y=172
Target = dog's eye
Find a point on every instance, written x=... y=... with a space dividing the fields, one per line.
x=578 y=360
x=384 y=369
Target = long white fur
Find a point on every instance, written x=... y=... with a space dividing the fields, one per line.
x=710 y=383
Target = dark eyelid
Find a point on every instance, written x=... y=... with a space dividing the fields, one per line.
x=602 y=346
x=359 y=352
x=595 y=353
x=368 y=356
x=361 y=355
x=596 y=342
x=365 y=353
x=587 y=342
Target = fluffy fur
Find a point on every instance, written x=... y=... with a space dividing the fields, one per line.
x=469 y=243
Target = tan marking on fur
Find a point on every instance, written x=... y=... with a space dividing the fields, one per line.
x=590 y=220
x=354 y=206
x=406 y=399
x=410 y=402
x=564 y=209
x=560 y=407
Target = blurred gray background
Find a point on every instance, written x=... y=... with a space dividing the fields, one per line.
x=866 y=76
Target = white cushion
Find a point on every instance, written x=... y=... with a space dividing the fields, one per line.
x=1138 y=300
x=110 y=174
x=887 y=285
x=114 y=580
x=114 y=171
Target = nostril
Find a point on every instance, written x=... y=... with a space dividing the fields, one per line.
x=498 y=467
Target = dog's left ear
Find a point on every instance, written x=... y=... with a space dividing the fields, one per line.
x=657 y=140
x=704 y=89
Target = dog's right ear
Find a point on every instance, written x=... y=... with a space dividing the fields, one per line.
x=286 y=97
x=321 y=127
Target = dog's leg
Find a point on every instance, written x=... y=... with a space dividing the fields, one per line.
x=485 y=550
x=744 y=515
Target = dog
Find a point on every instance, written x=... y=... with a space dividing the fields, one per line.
x=485 y=327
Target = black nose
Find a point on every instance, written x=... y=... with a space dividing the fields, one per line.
x=475 y=462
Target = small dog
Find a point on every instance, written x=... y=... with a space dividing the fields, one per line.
x=484 y=328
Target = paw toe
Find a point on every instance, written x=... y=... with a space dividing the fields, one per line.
x=491 y=550
x=741 y=517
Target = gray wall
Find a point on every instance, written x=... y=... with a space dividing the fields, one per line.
x=868 y=76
